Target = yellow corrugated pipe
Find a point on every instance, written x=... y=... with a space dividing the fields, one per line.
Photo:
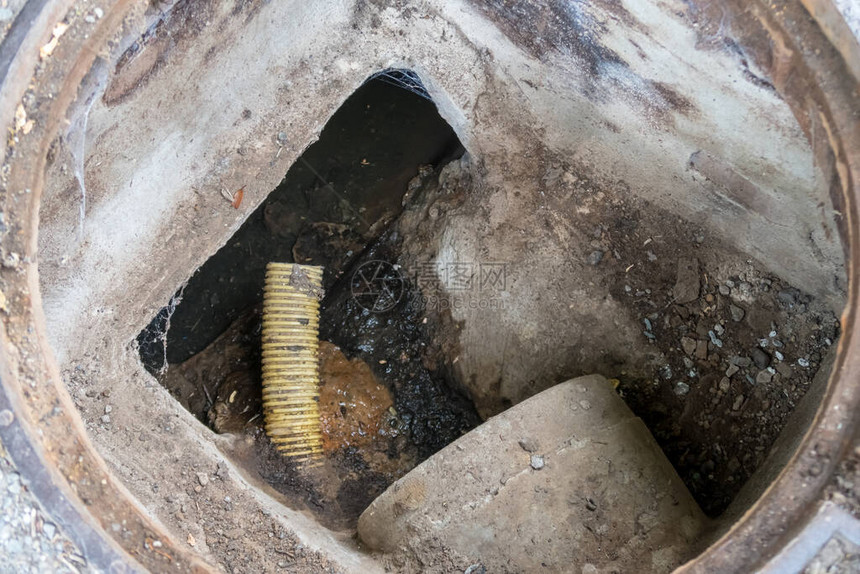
x=290 y=361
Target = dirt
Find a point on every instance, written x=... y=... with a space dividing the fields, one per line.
x=386 y=397
x=722 y=353
x=722 y=350
x=731 y=350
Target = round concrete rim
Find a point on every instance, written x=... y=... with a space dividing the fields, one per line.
x=48 y=442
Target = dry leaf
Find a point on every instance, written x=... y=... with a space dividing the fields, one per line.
x=48 y=48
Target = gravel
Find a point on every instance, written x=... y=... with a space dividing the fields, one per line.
x=29 y=541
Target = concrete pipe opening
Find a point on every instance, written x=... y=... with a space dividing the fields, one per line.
x=589 y=290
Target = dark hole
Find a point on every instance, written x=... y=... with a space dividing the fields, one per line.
x=331 y=209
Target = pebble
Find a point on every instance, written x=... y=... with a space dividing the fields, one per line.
x=595 y=257
x=736 y=406
x=732 y=370
x=106 y=419
x=282 y=138
x=742 y=362
x=764 y=376
x=202 y=478
x=715 y=340
x=803 y=362
x=725 y=384
x=537 y=462
x=528 y=444
x=688 y=345
x=108 y=409
x=681 y=388
x=687 y=286
x=49 y=530
x=760 y=358
x=5 y=14
x=737 y=313
x=725 y=291
x=701 y=350
x=744 y=291
x=779 y=356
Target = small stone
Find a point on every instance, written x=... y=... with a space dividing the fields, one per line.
x=595 y=257
x=701 y=350
x=744 y=292
x=738 y=403
x=732 y=370
x=688 y=363
x=725 y=291
x=681 y=389
x=585 y=405
x=779 y=356
x=803 y=362
x=98 y=12
x=477 y=568
x=788 y=297
x=106 y=419
x=108 y=409
x=783 y=369
x=742 y=362
x=686 y=289
x=716 y=342
x=528 y=444
x=14 y=483
x=202 y=478
x=760 y=358
x=764 y=376
x=6 y=418
x=282 y=138
x=725 y=384
x=49 y=530
x=537 y=462
x=737 y=313
x=5 y=14
x=689 y=345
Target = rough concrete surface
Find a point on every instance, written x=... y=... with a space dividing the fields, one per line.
x=566 y=481
x=133 y=202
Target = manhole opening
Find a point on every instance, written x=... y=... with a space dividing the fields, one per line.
x=388 y=399
x=723 y=353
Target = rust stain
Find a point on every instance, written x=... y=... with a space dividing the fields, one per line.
x=354 y=406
